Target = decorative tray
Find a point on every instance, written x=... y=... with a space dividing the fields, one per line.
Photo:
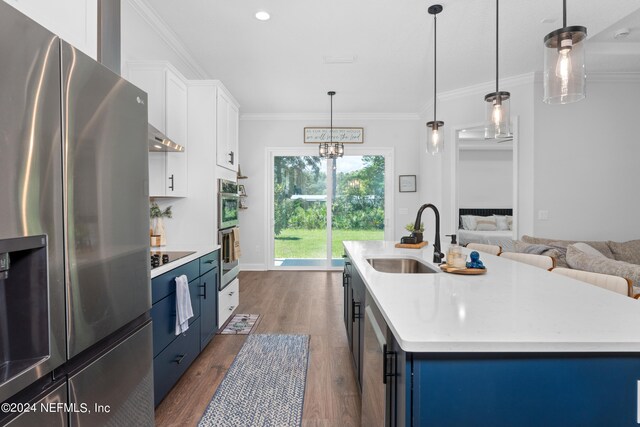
x=412 y=245
x=469 y=271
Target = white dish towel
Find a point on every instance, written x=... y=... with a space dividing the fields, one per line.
x=184 y=311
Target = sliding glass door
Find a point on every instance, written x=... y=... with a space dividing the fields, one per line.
x=319 y=203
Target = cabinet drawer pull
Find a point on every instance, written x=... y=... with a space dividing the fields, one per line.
x=231 y=307
x=209 y=261
x=179 y=358
x=231 y=155
x=171 y=179
x=231 y=293
x=386 y=355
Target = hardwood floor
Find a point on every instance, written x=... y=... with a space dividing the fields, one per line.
x=288 y=302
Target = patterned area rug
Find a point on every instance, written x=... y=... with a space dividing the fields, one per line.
x=265 y=384
x=240 y=324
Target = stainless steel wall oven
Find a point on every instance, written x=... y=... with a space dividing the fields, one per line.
x=228 y=200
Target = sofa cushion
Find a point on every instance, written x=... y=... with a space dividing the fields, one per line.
x=598 y=264
x=602 y=247
x=626 y=251
x=559 y=254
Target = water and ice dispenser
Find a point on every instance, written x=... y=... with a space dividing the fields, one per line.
x=24 y=304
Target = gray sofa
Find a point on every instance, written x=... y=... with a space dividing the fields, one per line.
x=618 y=258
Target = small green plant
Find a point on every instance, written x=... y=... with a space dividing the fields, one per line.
x=156 y=212
x=409 y=227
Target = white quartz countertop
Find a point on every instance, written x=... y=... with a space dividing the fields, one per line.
x=514 y=307
x=197 y=253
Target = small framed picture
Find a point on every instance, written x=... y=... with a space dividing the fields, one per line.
x=241 y=190
x=407 y=183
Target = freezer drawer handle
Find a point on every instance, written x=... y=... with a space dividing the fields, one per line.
x=179 y=358
x=171 y=179
x=204 y=295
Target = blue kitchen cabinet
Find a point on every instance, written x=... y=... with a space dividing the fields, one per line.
x=208 y=303
x=354 y=295
x=172 y=354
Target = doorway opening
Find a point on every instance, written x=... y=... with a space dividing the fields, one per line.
x=318 y=203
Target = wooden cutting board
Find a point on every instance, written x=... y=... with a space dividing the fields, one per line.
x=470 y=271
x=412 y=245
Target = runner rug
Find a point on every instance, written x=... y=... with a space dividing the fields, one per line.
x=265 y=384
x=240 y=324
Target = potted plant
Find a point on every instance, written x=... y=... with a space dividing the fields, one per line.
x=156 y=214
x=415 y=233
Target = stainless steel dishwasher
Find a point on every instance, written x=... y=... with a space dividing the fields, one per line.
x=382 y=371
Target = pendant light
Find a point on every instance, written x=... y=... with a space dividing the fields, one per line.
x=435 y=133
x=498 y=116
x=564 y=70
x=331 y=150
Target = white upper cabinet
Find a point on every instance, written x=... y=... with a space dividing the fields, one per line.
x=75 y=21
x=227 y=119
x=167 y=98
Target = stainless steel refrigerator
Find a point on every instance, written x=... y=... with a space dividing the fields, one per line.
x=74 y=272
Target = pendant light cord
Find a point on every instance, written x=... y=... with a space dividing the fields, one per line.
x=564 y=13
x=331 y=123
x=435 y=61
x=497 y=39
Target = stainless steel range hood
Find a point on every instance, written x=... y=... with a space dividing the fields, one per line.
x=159 y=142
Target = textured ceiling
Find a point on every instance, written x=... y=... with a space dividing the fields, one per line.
x=278 y=66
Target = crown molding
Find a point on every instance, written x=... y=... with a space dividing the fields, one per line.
x=146 y=12
x=323 y=116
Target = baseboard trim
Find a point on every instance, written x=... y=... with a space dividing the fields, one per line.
x=253 y=267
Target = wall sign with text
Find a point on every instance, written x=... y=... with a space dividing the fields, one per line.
x=343 y=135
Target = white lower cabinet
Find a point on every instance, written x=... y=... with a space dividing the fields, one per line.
x=228 y=300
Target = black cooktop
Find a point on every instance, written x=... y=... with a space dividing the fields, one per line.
x=159 y=258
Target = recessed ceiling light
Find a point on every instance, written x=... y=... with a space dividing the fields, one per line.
x=262 y=15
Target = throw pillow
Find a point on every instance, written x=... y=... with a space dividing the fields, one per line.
x=626 y=251
x=486 y=224
x=601 y=247
x=559 y=254
x=587 y=249
x=501 y=222
x=599 y=264
x=469 y=222
x=510 y=222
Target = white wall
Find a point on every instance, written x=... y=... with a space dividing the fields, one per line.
x=257 y=135
x=465 y=108
x=485 y=179
x=587 y=156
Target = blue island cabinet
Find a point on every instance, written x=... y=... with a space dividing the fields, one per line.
x=523 y=389
x=564 y=389
x=172 y=354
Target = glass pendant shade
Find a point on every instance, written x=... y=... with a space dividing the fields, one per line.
x=435 y=137
x=498 y=115
x=564 y=70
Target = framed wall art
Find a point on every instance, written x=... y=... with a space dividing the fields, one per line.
x=407 y=183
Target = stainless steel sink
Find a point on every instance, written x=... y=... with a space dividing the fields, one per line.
x=400 y=265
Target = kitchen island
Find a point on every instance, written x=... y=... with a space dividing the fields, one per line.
x=516 y=346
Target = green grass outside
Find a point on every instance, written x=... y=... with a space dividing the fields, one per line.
x=313 y=243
